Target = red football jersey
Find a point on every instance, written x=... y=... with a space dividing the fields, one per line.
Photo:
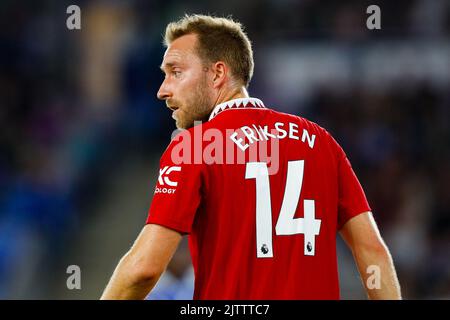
x=262 y=195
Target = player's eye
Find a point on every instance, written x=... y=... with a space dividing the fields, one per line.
x=176 y=73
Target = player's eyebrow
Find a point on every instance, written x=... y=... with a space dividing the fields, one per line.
x=167 y=65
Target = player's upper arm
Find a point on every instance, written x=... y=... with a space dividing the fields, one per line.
x=153 y=250
x=361 y=232
x=179 y=188
x=352 y=200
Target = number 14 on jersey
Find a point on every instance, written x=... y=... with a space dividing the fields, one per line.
x=309 y=226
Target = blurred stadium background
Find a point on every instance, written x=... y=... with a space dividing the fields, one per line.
x=81 y=130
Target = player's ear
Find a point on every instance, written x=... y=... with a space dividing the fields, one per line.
x=220 y=71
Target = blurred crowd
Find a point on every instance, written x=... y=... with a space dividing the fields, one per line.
x=74 y=103
x=398 y=143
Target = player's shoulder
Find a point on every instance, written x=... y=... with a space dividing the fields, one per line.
x=181 y=136
x=324 y=136
x=303 y=123
x=185 y=144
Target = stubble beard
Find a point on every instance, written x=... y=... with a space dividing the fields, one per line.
x=197 y=108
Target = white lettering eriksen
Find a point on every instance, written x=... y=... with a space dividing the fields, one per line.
x=259 y=133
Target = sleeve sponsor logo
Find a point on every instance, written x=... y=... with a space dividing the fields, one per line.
x=165 y=181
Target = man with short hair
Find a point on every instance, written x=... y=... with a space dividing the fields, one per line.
x=261 y=194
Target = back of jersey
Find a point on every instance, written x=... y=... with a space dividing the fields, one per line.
x=265 y=205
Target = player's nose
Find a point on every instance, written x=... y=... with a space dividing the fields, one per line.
x=164 y=92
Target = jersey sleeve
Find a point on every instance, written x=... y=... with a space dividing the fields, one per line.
x=352 y=200
x=177 y=193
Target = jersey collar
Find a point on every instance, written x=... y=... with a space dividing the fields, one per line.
x=237 y=104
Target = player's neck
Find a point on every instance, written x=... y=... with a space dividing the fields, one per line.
x=235 y=93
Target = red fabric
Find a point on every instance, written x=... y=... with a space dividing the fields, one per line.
x=216 y=205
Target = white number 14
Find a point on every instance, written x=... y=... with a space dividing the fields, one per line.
x=286 y=224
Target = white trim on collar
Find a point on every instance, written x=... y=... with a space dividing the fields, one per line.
x=237 y=104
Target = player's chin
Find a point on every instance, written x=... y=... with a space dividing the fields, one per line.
x=184 y=123
x=178 y=125
x=181 y=124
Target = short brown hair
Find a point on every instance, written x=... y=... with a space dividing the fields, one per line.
x=219 y=39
